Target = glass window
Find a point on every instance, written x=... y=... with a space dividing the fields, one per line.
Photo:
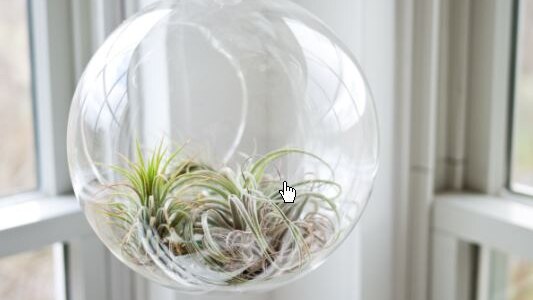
x=17 y=146
x=522 y=144
x=520 y=279
x=512 y=277
x=28 y=276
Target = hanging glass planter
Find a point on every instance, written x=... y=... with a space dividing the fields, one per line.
x=222 y=145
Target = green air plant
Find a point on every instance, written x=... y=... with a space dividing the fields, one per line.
x=219 y=226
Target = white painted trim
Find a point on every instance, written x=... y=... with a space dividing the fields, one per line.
x=40 y=222
x=489 y=64
x=498 y=223
x=106 y=16
x=452 y=263
x=82 y=33
x=88 y=275
x=453 y=92
x=483 y=274
x=520 y=39
x=54 y=81
x=458 y=127
x=60 y=276
x=477 y=139
x=427 y=35
x=96 y=273
x=495 y=225
x=130 y=7
x=403 y=88
x=64 y=35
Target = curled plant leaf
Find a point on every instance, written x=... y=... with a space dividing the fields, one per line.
x=219 y=227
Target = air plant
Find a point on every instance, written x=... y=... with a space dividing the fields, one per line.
x=224 y=226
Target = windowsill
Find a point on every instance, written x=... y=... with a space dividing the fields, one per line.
x=39 y=221
x=496 y=222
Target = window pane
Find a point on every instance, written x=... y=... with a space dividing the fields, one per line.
x=28 y=276
x=520 y=279
x=522 y=156
x=17 y=149
x=512 y=278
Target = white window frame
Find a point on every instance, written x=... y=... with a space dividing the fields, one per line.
x=442 y=237
x=454 y=73
x=94 y=275
x=64 y=33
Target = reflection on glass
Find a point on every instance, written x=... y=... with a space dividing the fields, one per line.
x=520 y=279
x=28 y=276
x=512 y=277
x=17 y=150
x=522 y=154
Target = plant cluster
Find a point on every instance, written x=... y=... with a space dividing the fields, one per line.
x=219 y=226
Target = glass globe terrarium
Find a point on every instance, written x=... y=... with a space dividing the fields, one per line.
x=222 y=145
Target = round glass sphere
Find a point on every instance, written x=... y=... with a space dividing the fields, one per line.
x=222 y=145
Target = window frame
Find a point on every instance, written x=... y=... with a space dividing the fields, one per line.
x=435 y=258
x=517 y=188
x=63 y=35
x=456 y=139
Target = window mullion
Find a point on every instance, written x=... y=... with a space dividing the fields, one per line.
x=53 y=85
x=88 y=270
x=64 y=35
x=452 y=263
x=106 y=16
x=487 y=130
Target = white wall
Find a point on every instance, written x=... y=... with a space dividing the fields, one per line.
x=363 y=267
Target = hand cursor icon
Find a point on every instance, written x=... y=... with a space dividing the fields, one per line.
x=287 y=193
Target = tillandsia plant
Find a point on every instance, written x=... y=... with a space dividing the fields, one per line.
x=224 y=226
